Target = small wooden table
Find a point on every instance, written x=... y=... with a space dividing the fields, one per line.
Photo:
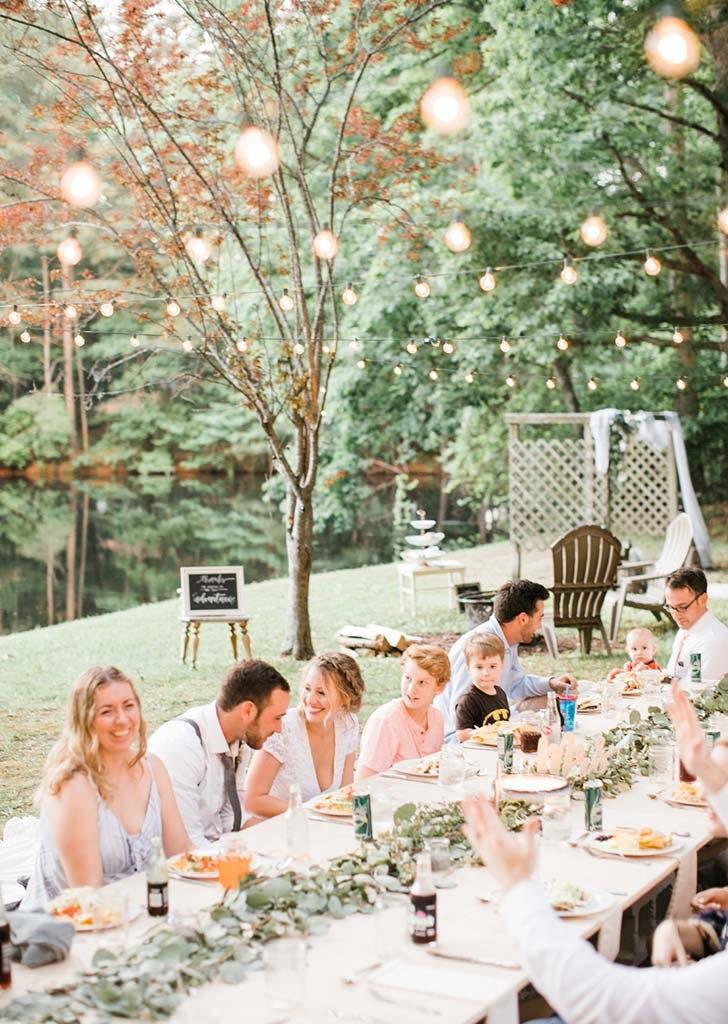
x=192 y=626
x=410 y=572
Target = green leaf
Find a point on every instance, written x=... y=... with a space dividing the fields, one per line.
x=405 y=813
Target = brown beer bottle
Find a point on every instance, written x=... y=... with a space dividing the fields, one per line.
x=5 y=969
x=423 y=902
x=157 y=881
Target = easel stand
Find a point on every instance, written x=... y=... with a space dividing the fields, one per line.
x=191 y=630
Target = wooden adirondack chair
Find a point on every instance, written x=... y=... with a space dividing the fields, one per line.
x=585 y=569
x=675 y=550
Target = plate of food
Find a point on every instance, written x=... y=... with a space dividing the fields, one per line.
x=201 y=864
x=89 y=909
x=487 y=735
x=685 y=794
x=589 y=704
x=425 y=769
x=635 y=842
x=630 y=682
x=338 y=804
x=570 y=900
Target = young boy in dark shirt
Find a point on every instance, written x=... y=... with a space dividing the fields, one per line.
x=484 y=703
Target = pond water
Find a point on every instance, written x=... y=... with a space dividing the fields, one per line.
x=71 y=550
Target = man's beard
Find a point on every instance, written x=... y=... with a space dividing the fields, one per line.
x=253 y=737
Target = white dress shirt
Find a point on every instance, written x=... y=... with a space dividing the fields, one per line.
x=585 y=988
x=707 y=637
x=514 y=680
x=197 y=771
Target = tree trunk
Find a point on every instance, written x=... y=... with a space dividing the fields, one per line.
x=46 y=326
x=68 y=365
x=71 y=563
x=82 y=401
x=299 y=547
x=562 y=373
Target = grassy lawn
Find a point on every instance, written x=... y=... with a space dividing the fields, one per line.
x=36 y=667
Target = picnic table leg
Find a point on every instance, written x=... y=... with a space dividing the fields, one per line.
x=185 y=641
x=245 y=636
x=195 y=642
x=234 y=641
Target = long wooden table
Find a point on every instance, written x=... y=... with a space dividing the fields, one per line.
x=465 y=923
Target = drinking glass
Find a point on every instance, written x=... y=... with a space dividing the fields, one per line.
x=567 y=703
x=662 y=758
x=556 y=816
x=234 y=864
x=452 y=765
x=439 y=847
x=381 y=811
x=284 y=961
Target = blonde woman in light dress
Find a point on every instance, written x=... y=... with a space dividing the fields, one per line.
x=317 y=747
x=103 y=798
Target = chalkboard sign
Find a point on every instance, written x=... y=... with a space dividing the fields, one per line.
x=212 y=591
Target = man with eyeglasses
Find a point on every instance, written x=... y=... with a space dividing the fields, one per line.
x=699 y=632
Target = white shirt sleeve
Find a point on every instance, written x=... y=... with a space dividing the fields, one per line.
x=719 y=803
x=277 y=744
x=585 y=988
x=176 y=744
x=350 y=736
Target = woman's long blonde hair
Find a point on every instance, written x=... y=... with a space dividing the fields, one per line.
x=77 y=749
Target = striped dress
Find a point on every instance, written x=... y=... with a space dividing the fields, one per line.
x=121 y=854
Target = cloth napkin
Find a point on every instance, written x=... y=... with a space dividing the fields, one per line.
x=39 y=939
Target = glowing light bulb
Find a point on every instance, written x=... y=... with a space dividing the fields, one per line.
x=562 y=344
x=594 y=231
x=286 y=301
x=652 y=265
x=397 y=371
x=242 y=345
x=256 y=153
x=635 y=383
x=198 y=248
x=299 y=349
x=349 y=296
x=677 y=336
x=457 y=236
x=592 y=384
x=69 y=251
x=173 y=308
x=672 y=48
x=569 y=274
x=325 y=348
x=325 y=244
x=14 y=316
x=354 y=345
x=488 y=282
x=106 y=309
x=550 y=383
x=445 y=106
x=412 y=348
x=70 y=312
x=79 y=341
x=448 y=348
x=361 y=363
x=433 y=375
x=620 y=341
x=25 y=337
x=134 y=341
x=218 y=303
x=187 y=345
x=422 y=288
x=469 y=377
x=723 y=220
x=81 y=185
x=725 y=381
x=510 y=381
x=681 y=383
x=505 y=345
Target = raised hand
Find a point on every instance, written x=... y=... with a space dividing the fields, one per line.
x=691 y=744
x=509 y=858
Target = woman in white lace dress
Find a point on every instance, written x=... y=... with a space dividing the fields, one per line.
x=317 y=747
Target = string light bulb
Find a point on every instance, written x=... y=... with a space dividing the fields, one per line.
x=349 y=296
x=422 y=288
x=433 y=375
x=457 y=236
x=562 y=344
x=620 y=341
x=69 y=251
x=242 y=345
x=510 y=381
x=173 y=308
x=448 y=348
x=299 y=349
x=256 y=153
x=672 y=48
x=652 y=265
x=681 y=383
x=551 y=383
x=218 y=302
x=134 y=341
x=594 y=231
x=397 y=371
x=25 y=337
x=723 y=220
x=187 y=345
x=488 y=282
x=569 y=273
x=725 y=381
x=412 y=347
x=677 y=336
x=635 y=383
x=14 y=316
x=445 y=106
x=325 y=244
x=81 y=184
x=361 y=363
x=70 y=312
x=79 y=341
x=198 y=248
x=354 y=345
x=469 y=377
x=592 y=384
x=505 y=345
x=286 y=301
x=107 y=308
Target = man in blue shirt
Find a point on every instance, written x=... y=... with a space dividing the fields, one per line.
x=516 y=617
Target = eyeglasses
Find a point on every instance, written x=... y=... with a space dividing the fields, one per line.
x=679 y=609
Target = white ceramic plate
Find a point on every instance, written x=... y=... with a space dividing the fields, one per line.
x=601 y=847
x=598 y=901
x=321 y=807
x=181 y=872
x=668 y=796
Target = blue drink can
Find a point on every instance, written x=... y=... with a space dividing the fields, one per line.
x=567 y=703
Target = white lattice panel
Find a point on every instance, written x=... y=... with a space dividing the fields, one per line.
x=642 y=497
